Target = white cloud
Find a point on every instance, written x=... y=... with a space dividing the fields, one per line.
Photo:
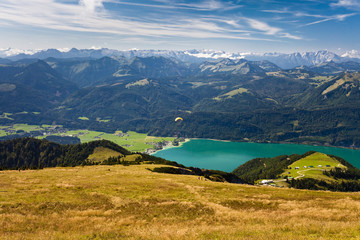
x=91 y=5
x=351 y=54
x=339 y=17
x=347 y=4
x=262 y=26
x=210 y=5
x=275 y=11
x=320 y=18
x=342 y=17
x=91 y=16
x=270 y=30
x=290 y=36
x=95 y=47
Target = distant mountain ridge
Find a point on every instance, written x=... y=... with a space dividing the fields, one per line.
x=231 y=99
x=283 y=60
x=34 y=87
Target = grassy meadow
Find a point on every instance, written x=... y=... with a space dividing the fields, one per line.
x=319 y=163
x=131 y=202
x=133 y=141
x=100 y=154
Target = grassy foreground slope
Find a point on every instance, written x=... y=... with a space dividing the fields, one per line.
x=130 y=202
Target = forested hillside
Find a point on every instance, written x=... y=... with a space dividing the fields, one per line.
x=30 y=153
x=224 y=99
x=25 y=153
x=311 y=170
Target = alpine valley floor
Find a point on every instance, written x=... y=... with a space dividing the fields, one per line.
x=117 y=202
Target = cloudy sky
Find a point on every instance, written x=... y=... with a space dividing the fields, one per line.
x=235 y=26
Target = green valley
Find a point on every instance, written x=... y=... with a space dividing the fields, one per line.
x=238 y=100
x=137 y=142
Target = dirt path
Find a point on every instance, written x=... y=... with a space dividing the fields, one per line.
x=301 y=172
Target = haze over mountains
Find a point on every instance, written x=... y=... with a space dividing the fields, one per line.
x=283 y=60
x=223 y=98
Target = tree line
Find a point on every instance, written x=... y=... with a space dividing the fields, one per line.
x=30 y=153
x=336 y=186
x=266 y=168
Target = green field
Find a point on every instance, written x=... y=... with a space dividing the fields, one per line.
x=136 y=142
x=101 y=120
x=131 y=202
x=23 y=112
x=100 y=154
x=3 y=133
x=20 y=127
x=27 y=128
x=84 y=118
x=6 y=116
x=319 y=161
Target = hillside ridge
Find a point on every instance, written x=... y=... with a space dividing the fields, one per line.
x=311 y=170
x=145 y=94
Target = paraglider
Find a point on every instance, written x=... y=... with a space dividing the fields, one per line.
x=178 y=123
x=178 y=119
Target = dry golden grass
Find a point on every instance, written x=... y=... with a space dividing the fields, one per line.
x=101 y=153
x=119 y=202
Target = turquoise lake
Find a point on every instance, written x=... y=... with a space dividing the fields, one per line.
x=227 y=156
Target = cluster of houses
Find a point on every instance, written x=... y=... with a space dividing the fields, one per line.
x=45 y=131
x=271 y=182
x=266 y=181
x=312 y=166
x=53 y=130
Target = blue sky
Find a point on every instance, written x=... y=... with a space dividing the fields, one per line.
x=234 y=26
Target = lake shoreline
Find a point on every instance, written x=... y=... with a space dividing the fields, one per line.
x=169 y=145
x=280 y=142
x=227 y=155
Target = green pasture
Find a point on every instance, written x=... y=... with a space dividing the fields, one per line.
x=319 y=161
x=23 y=112
x=84 y=118
x=3 y=133
x=133 y=141
x=6 y=116
x=101 y=153
x=27 y=128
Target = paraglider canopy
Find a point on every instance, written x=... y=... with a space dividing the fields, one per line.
x=178 y=119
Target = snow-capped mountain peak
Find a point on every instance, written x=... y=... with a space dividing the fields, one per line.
x=213 y=54
x=351 y=54
x=283 y=60
x=9 y=52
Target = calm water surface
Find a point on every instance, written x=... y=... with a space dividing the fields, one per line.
x=227 y=156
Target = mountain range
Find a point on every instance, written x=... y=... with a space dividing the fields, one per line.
x=233 y=99
x=283 y=60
